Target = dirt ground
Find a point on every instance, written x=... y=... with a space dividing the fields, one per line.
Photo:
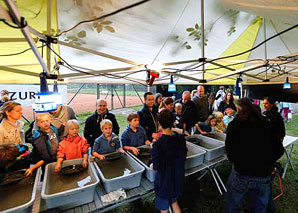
x=86 y=102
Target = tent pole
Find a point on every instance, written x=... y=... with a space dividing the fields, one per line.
x=265 y=45
x=16 y=17
x=99 y=53
x=124 y=95
x=97 y=91
x=76 y=93
x=49 y=30
x=203 y=37
x=112 y=96
x=137 y=93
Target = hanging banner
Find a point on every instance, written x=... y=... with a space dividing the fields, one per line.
x=25 y=94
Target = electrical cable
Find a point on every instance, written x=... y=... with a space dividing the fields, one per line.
x=194 y=68
x=19 y=53
x=23 y=23
x=260 y=44
x=251 y=49
x=104 y=16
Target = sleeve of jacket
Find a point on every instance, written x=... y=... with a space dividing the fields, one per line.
x=96 y=145
x=125 y=139
x=282 y=127
x=155 y=156
x=117 y=143
x=87 y=130
x=41 y=150
x=85 y=146
x=142 y=120
x=229 y=143
x=61 y=150
x=220 y=107
x=116 y=127
x=72 y=114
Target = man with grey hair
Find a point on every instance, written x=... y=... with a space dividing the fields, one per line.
x=92 y=125
x=188 y=111
x=201 y=103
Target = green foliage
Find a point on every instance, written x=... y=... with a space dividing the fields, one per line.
x=103 y=24
x=232 y=30
x=76 y=39
x=195 y=34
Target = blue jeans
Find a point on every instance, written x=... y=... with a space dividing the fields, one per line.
x=239 y=185
x=164 y=203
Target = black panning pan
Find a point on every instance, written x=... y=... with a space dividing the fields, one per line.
x=72 y=169
x=194 y=140
x=113 y=156
x=12 y=177
x=144 y=151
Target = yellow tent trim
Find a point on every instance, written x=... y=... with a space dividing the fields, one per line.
x=245 y=42
x=35 y=12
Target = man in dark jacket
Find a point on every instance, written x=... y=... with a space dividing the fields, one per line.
x=253 y=150
x=188 y=112
x=92 y=125
x=148 y=116
x=201 y=103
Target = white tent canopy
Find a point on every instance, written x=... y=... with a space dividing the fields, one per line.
x=118 y=48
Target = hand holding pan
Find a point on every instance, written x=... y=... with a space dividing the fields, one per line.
x=72 y=169
x=113 y=156
x=12 y=177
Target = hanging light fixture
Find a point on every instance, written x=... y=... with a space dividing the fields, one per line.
x=287 y=84
x=153 y=71
x=46 y=101
x=172 y=85
x=238 y=86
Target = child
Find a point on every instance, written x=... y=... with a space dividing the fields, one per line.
x=168 y=157
x=108 y=141
x=134 y=135
x=45 y=141
x=73 y=146
x=220 y=125
x=209 y=126
x=178 y=116
x=229 y=116
x=178 y=124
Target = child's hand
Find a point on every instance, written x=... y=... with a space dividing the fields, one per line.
x=155 y=136
x=58 y=167
x=220 y=131
x=101 y=157
x=135 y=151
x=28 y=172
x=121 y=150
x=85 y=163
x=204 y=133
x=186 y=133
